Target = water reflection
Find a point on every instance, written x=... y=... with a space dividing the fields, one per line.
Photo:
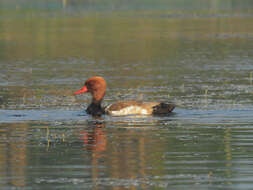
x=110 y=5
x=13 y=155
x=228 y=152
x=149 y=55
x=95 y=137
x=135 y=154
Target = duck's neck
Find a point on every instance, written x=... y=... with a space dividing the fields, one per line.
x=95 y=108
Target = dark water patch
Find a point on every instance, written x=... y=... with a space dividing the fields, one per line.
x=40 y=115
x=179 y=116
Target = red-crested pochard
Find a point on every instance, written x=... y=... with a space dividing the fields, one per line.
x=97 y=86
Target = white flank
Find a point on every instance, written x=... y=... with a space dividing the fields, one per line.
x=130 y=110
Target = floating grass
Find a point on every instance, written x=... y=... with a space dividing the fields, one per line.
x=206 y=100
x=250 y=77
x=206 y=92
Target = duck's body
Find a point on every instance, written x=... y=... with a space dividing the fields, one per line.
x=97 y=85
x=138 y=108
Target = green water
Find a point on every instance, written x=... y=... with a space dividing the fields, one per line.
x=198 y=54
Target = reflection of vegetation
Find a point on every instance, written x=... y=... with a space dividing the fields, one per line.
x=116 y=37
x=126 y=4
x=146 y=152
x=13 y=155
x=134 y=49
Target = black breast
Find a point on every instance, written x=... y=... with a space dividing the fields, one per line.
x=95 y=109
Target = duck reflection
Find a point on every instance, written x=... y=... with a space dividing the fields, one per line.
x=94 y=138
x=120 y=156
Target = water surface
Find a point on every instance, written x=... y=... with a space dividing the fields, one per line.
x=194 y=53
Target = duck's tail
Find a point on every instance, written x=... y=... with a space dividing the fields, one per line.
x=163 y=108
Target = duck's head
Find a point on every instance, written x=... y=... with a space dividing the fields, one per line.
x=96 y=86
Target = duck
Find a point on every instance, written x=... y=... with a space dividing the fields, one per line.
x=96 y=86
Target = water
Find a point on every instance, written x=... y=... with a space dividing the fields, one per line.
x=194 y=53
